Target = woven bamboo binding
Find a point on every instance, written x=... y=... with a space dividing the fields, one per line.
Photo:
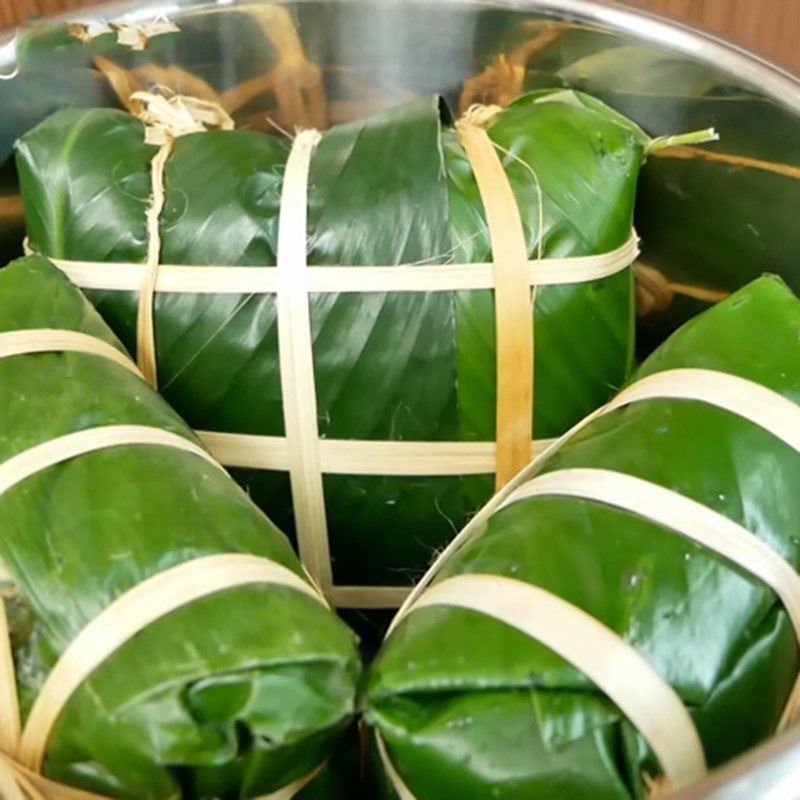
x=511 y=274
x=23 y=749
x=658 y=714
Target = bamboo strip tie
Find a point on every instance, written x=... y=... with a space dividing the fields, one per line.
x=296 y=362
x=512 y=276
x=614 y=666
x=769 y=410
x=337 y=457
x=22 y=750
x=512 y=297
x=765 y=408
x=132 y=612
x=385 y=457
x=166 y=116
x=686 y=517
x=54 y=340
x=446 y=277
x=512 y=605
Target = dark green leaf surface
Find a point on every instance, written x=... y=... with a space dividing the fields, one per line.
x=472 y=708
x=391 y=189
x=230 y=697
x=57 y=70
x=716 y=223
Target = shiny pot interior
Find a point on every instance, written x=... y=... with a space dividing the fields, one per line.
x=710 y=219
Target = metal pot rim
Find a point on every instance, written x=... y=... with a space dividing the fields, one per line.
x=778 y=83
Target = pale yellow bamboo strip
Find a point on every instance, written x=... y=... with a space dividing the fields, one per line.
x=132 y=612
x=49 y=340
x=296 y=361
x=403 y=792
x=36 y=787
x=374 y=597
x=10 y=727
x=10 y=788
x=513 y=304
x=749 y=400
x=55 y=451
x=360 y=457
x=145 y=322
x=614 y=666
x=195 y=279
x=676 y=512
x=742 y=397
x=288 y=792
x=688 y=518
x=166 y=116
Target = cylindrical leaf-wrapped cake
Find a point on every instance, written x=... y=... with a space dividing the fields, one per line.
x=165 y=640
x=606 y=623
x=374 y=328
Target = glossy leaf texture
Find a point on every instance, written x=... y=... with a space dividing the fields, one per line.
x=471 y=708
x=233 y=696
x=391 y=189
x=54 y=69
x=689 y=196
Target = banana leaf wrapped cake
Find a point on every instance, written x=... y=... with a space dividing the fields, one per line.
x=626 y=612
x=374 y=328
x=693 y=255
x=165 y=641
x=266 y=80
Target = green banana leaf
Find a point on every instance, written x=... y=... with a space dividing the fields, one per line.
x=471 y=708
x=709 y=222
x=233 y=696
x=341 y=777
x=33 y=94
x=392 y=189
x=229 y=58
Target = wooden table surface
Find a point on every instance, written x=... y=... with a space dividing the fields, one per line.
x=770 y=27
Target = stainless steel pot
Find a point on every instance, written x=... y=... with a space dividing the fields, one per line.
x=710 y=220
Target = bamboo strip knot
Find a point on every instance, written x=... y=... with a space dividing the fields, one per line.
x=167 y=115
